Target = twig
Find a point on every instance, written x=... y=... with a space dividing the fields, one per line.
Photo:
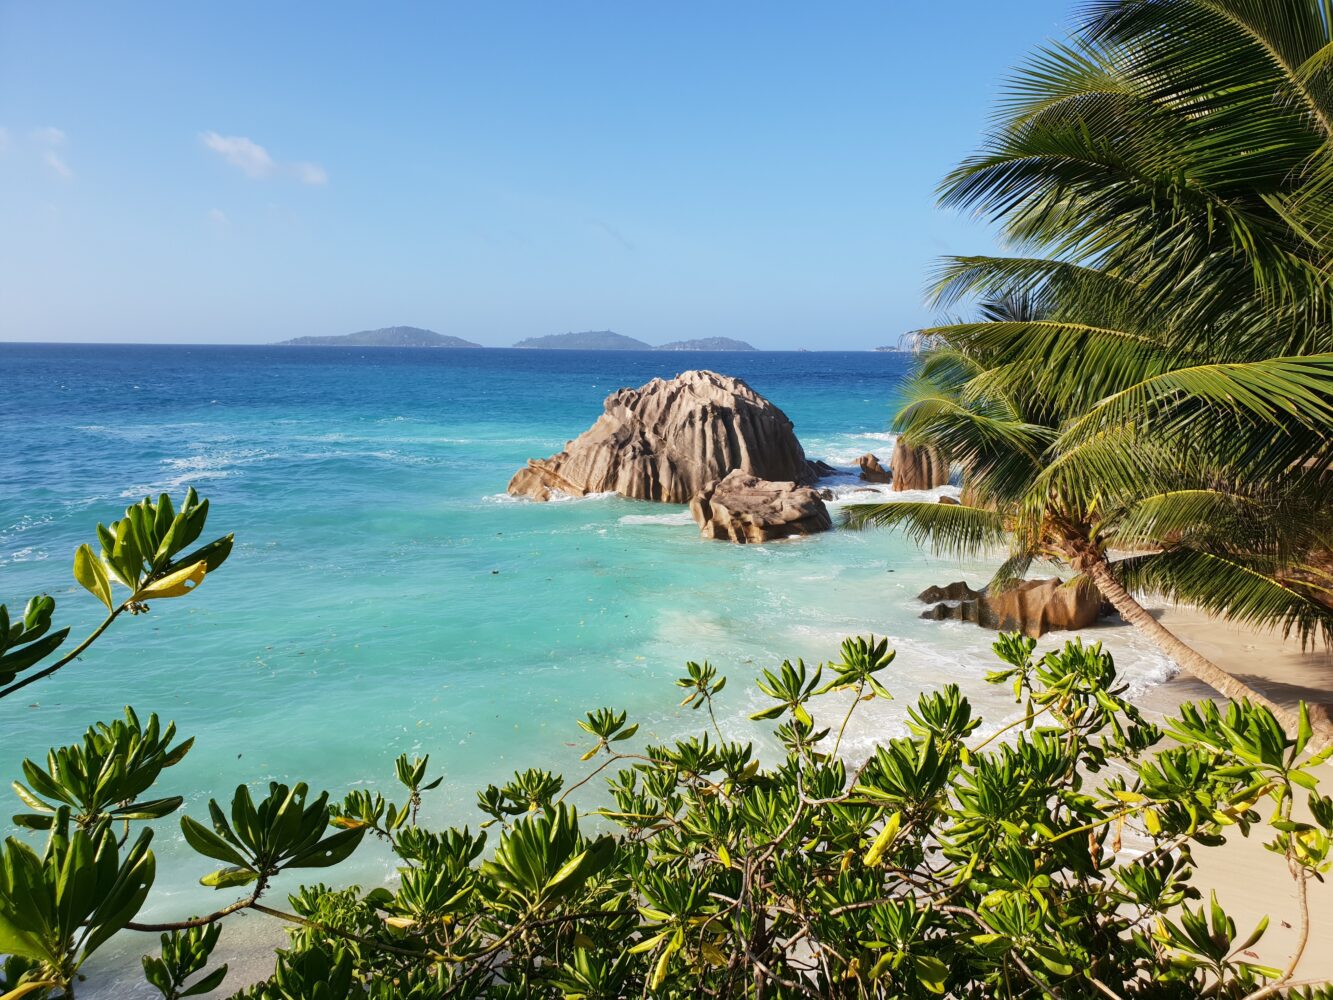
x=48 y=671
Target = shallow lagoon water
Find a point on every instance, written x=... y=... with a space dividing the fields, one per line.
x=386 y=597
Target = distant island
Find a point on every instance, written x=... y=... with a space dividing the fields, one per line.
x=608 y=340
x=707 y=344
x=589 y=340
x=389 y=336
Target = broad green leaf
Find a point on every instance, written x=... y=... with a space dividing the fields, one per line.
x=92 y=576
x=932 y=973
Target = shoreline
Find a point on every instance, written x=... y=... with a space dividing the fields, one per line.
x=1250 y=881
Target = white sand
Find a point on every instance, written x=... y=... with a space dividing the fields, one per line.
x=1252 y=882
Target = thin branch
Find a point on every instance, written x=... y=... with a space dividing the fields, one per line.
x=78 y=650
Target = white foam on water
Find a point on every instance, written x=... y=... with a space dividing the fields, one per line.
x=674 y=519
x=557 y=496
x=843 y=450
x=861 y=492
x=26 y=554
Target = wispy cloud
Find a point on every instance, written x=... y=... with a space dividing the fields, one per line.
x=58 y=166
x=48 y=136
x=254 y=160
x=218 y=217
x=48 y=139
x=310 y=173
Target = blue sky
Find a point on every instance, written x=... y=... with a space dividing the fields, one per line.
x=247 y=172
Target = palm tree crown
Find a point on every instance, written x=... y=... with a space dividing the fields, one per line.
x=1147 y=395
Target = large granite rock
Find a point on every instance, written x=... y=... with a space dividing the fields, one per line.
x=743 y=508
x=669 y=439
x=956 y=591
x=917 y=468
x=871 y=470
x=1033 y=607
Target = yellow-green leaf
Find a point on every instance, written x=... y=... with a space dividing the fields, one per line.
x=175 y=584
x=884 y=840
x=91 y=574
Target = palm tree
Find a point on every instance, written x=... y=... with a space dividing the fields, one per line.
x=1149 y=398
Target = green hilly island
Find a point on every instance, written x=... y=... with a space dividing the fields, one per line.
x=707 y=344
x=589 y=340
x=608 y=340
x=389 y=336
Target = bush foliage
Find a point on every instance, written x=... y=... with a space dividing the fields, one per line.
x=1050 y=857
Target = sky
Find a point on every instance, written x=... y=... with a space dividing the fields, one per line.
x=247 y=172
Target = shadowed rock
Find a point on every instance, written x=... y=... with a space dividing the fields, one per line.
x=742 y=508
x=956 y=591
x=669 y=439
x=1033 y=607
x=871 y=470
x=917 y=468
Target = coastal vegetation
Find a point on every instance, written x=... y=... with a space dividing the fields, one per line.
x=1051 y=856
x=1147 y=395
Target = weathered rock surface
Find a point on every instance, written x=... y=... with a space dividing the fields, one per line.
x=1033 y=607
x=669 y=439
x=917 y=468
x=744 y=508
x=956 y=591
x=871 y=470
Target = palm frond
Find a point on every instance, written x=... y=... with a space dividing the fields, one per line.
x=955 y=530
x=1277 y=393
x=1249 y=591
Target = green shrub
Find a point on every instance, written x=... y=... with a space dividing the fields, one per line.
x=946 y=864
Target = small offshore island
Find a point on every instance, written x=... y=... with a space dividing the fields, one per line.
x=608 y=340
x=589 y=340
x=389 y=336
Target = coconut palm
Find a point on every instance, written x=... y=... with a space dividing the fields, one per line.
x=1150 y=398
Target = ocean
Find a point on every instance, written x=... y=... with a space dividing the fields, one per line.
x=385 y=596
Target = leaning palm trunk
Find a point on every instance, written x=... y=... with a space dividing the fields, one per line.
x=1189 y=660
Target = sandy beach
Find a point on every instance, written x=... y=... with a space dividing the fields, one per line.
x=1252 y=882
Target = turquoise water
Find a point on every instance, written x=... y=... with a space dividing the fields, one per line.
x=385 y=597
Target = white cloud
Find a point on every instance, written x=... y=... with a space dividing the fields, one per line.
x=218 y=217
x=57 y=165
x=49 y=136
x=246 y=155
x=254 y=160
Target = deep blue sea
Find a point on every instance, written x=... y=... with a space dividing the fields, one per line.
x=385 y=596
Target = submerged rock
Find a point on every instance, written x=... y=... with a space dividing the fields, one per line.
x=744 y=508
x=918 y=468
x=669 y=439
x=1033 y=607
x=871 y=470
